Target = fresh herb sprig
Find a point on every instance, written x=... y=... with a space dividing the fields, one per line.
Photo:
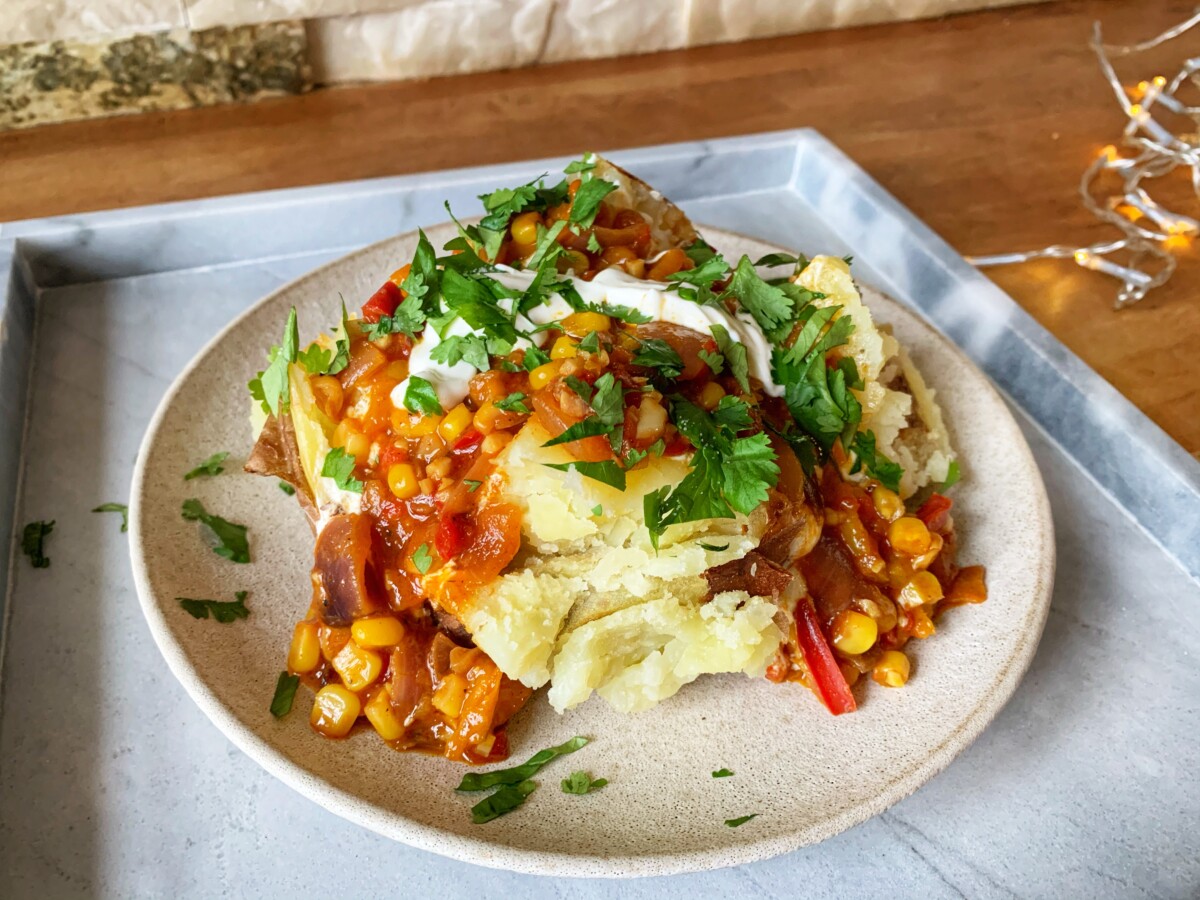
x=232 y=542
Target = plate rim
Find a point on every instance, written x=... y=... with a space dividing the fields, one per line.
x=354 y=808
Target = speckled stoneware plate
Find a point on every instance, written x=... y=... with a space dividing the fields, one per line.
x=806 y=774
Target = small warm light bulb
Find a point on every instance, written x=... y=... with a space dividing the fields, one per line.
x=1135 y=110
x=1082 y=256
x=1142 y=87
x=1160 y=81
x=1176 y=242
x=1110 y=153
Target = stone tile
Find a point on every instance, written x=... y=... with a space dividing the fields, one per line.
x=64 y=80
x=593 y=29
x=438 y=37
x=212 y=13
x=47 y=20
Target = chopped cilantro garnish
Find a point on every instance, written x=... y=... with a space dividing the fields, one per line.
x=502 y=802
x=769 y=305
x=472 y=485
x=598 y=509
x=592 y=426
x=33 y=543
x=733 y=354
x=722 y=773
x=655 y=353
x=271 y=385
x=117 y=508
x=582 y=783
x=579 y=386
x=715 y=548
x=784 y=259
x=315 y=359
x=469 y=348
x=224 y=611
x=606 y=471
x=609 y=400
x=318 y=360
x=409 y=318
x=481 y=781
x=422 y=558
x=339 y=465
x=287 y=488
x=953 y=474
x=285 y=693
x=581 y=166
x=591 y=343
x=534 y=358
x=476 y=300
x=593 y=245
x=421 y=397
x=740 y=820
x=548 y=247
x=211 y=466
x=232 y=541
x=699 y=251
x=875 y=463
x=587 y=201
x=514 y=402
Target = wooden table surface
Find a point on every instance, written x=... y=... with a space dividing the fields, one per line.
x=981 y=124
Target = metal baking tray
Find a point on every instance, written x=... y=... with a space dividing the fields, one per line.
x=113 y=783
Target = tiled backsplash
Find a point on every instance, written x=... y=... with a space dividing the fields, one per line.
x=71 y=59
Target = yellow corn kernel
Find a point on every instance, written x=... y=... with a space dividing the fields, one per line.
x=402 y=479
x=853 y=632
x=304 y=654
x=448 y=698
x=921 y=589
x=581 y=324
x=922 y=625
x=908 y=534
x=376 y=632
x=379 y=713
x=334 y=711
x=925 y=560
x=564 y=348
x=887 y=503
x=524 y=228
x=357 y=667
x=710 y=395
x=408 y=425
x=358 y=446
x=892 y=669
x=455 y=423
x=543 y=375
x=495 y=442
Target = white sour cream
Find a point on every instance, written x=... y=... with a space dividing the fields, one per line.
x=611 y=286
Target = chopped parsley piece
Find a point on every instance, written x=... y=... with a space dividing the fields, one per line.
x=117 y=508
x=211 y=466
x=606 y=471
x=409 y=317
x=593 y=245
x=514 y=402
x=769 y=305
x=582 y=783
x=33 y=543
x=472 y=485
x=422 y=558
x=715 y=548
x=481 y=781
x=722 y=773
x=271 y=385
x=598 y=509
x=224 y=611
x=733 y=354
x=592 y=426
x=700 y=251
x=339 y=465
x=609 y=400
x=591 y=343
x=579 y=386
x=582 y=166
x=232 y=542
x=315 y=359
x=784 y=259
x=875 y=463
x=420 y=397
x=287 y=489
x=624 y=313
x=285 y=693
x=548 y=248
x=655 y=353
x=587 y=201
x=469 y=348
x=740 y=820
x=502 y=802
x=534 y=358
x=476 y=301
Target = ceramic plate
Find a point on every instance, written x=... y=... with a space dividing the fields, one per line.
x=806 y=774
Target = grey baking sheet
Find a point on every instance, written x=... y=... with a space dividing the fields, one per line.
x=112 y=783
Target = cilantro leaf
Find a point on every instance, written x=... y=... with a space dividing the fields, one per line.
x=749 y=469
x=422 y=558
x=877 y=465
x=592 y=426
x=606 y=471
x=821 y=402
x=591 y=343
x=481 y=781
x=534 y=358
x=598 y=509
x=617 y=311
x=593 y=245
x=699 y=251
x=469 y=348
x=211 y=466
x=608 y=401
x=287 y=489
x=581 y=166
x=117 y=508
x=548 y=247
x=582 y=783
x=740 y=820
x=502 y=802
x=784 y=259
x=475 y=300
x=285 y=693
x=273 y=382
x=409 y=318
x=33 y=543
x=714 y=361
x=224 y=611
x=472 y=485
x=514 y=402
x=715 y=548
x=341 y=346
x=734 y=354
x=339 y=465
x=769 y=305
x=953 y=474
x=232 y=541
x=712 y=270
x=587 y=201
x=655 y=353
x=315 y=359
x=722 y=773
x=421 y=397
x=580 y=387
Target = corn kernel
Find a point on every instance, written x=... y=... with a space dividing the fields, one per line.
x=381 y=716
x=922 y=625
x=908 y=534
x=357 y=667
x=853 y=632
x=377 y=631
x=448 y=698
x=581 y=324
x=487 y=417
x=887 y=503
x=921 y=589
x=405 y=424
x=304 y=654
x=455 y=423
x=543 y=375
x=925 y=560
x=402 y=480
x=334 y=711
x=892 y=669
x=358 y=446
x=710 y=396
x=564 y=348
x=524 y=228
x=495 y=442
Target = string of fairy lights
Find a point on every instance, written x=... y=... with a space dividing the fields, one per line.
x=1161 y=134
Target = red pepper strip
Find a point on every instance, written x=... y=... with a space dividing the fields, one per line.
x=831 y=683
x=933 y=512
x=383 y=302
x=451 y=537
x=468 y=441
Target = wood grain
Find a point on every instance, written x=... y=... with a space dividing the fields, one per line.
x=980 y=123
